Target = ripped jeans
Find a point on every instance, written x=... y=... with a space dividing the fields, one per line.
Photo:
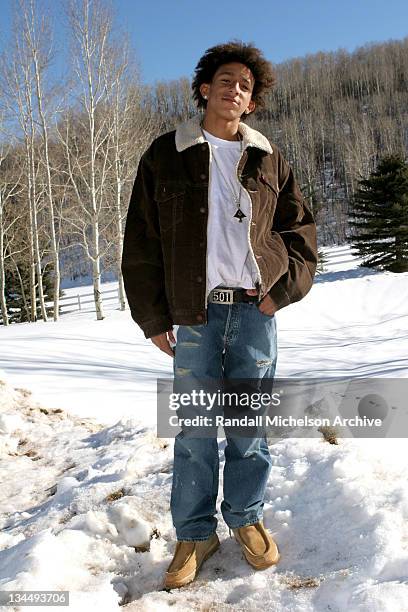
x=239 y=341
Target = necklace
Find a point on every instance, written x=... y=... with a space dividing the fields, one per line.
x=236 y=198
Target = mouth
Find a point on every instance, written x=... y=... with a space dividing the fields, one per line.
x=231 y=100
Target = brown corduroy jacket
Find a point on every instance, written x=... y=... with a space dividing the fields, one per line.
x=164 y=261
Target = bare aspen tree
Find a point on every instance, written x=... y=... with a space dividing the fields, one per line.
x=3 y=305
x=91 y=29
x=37 y=35
x=10 y=186
x=132 y=126
x=14 y=220
x=17 y=81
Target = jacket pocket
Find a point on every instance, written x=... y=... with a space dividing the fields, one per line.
x=275 y=257
x=169 y=196
x=269 y=197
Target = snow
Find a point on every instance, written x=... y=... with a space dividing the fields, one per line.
x=86 y=483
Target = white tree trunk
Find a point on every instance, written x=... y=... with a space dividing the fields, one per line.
x=3 y=304
x=34 y=225
x=119 y=241
x=32 y=263
x=53 y=238
x=96 y=271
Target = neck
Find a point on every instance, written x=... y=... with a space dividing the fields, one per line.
x=221 y=128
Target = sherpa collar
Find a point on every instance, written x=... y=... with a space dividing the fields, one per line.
x=189 y=134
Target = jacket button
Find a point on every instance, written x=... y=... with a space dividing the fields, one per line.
x=203 y=177
x=202 y=209
x=199 y=279
x=199 y=317
x=201 y=244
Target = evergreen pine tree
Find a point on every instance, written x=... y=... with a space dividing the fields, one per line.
x=321 y=261
x=16 y=309
x=17 y=289
x=379 y=219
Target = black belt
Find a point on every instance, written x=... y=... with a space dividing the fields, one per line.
x=225 y=295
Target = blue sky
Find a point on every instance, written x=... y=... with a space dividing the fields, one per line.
x=169 y=36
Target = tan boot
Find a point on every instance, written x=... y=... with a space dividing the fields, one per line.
x=187 y=560
x=259 y=548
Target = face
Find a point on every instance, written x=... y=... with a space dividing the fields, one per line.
x=229 y=93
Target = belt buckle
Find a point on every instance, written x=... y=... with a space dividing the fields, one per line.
x=223 y=296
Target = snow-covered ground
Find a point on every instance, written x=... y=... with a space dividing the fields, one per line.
x=353 y=322
x=86 y=483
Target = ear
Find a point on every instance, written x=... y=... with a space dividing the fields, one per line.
x=250 y=108
x=204 y=90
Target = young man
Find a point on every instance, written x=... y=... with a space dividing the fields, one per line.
x=218 y=238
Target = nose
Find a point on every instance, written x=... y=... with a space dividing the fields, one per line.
x=234 y=86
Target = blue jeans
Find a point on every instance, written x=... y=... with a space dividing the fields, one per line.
x=239 y=341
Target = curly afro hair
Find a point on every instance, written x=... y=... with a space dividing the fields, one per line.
x=234 y=51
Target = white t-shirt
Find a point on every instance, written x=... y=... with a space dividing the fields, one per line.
x=229 y=260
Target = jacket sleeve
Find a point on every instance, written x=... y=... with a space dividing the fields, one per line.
x=296 y=226
x=142 y=258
